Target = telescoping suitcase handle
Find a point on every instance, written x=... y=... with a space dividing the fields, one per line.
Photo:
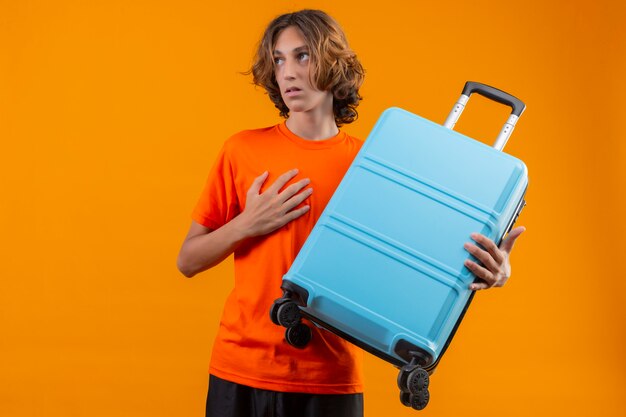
x=494 y=94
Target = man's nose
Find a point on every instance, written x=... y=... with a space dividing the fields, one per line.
x=289 y=70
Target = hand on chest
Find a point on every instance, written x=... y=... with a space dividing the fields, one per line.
x=324 y=177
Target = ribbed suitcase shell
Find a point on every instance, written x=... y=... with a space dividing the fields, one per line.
x=383 y=266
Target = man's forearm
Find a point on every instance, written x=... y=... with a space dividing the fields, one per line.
x=204 y=251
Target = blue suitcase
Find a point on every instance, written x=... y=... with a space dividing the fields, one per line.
x=384 y=265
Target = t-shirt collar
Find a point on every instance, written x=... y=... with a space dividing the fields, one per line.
x=310 y=143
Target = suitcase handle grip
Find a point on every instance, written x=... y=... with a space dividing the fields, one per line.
x=492 y=93
x=496 y=95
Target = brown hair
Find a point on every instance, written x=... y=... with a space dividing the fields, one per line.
x=334 y=66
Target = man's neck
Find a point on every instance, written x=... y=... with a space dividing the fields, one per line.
x=313 y=125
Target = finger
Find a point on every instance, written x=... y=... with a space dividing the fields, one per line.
x=293 y=189
x=507 y=244
x=489 y=245
x=296 y=200
x=282 y=180
x=480 y=285
x=481 y=272
x=294 y=214
x=483 y=256
x=258 y=183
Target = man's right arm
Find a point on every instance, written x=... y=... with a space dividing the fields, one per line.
x=203 y=248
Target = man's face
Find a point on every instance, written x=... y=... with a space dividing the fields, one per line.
x=291 y=68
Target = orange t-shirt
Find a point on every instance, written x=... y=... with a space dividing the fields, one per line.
x=249 y=349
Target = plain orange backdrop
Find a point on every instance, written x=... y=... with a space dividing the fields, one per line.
x=111 y=113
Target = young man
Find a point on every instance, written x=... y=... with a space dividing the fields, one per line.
x=262 y=198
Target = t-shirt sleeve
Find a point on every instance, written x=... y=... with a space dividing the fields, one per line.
x=218 y=204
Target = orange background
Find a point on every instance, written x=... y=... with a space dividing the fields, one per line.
x=112 y=112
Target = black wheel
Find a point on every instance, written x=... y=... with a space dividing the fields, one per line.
x=298 y=336
x=418 y=380
x=420 y=400
x=288 y=314
x=405 y=399
x=274 y=310
x=403 y=377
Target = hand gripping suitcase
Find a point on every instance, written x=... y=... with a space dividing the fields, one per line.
x=384 y=265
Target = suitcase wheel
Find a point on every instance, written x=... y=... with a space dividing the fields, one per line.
x=412 y=379
x=413 y=382
x=405 y=399
x=288 y=314
x=298 y=336
x=418 y=380
x=274 y=309
x=403 y=378
x=420 y=400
